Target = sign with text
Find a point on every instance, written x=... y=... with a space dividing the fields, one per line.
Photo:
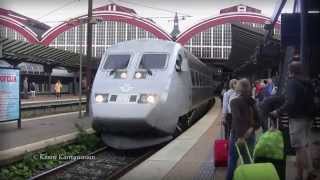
x=9 y=94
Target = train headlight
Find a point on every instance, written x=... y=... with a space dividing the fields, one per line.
x=148 y=99
x=100 y=98
x=121 y=74
x=124 y=75
x=138 y=75
x=151 y=99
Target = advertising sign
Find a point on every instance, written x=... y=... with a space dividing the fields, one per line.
x=9 y=94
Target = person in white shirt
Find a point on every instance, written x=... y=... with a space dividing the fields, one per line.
x=226 y=110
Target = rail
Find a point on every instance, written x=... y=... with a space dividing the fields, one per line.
x=115 y=174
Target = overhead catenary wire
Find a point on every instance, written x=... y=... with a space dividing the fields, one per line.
x=59 y=8
x=181 y=16
x=154 y=8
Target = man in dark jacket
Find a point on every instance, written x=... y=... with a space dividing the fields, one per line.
x=268 y=105
x=297 y=104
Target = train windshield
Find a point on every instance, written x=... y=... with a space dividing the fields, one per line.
x=118 y=61
x=153 y=61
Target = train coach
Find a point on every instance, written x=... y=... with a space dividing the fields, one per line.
x=146 y=91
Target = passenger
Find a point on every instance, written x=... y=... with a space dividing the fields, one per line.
x=33 y=89
x=226 y=111
x=267 y=106
x=244 y=122
x=57 y=88
x=297 y=105
x=253 y=92
x=266 y=92
x=224 y=90
x=25 y=87
x=259 y=88
x=269 y=86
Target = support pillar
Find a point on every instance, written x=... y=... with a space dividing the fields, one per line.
x=89 y=54
x=74 y=86
x=48 y=72
x=303 y=35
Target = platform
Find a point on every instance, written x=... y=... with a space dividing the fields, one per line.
x=186 y=155
x=190 y=156
x=45 y=98
x=46 y=105
x=38 y=133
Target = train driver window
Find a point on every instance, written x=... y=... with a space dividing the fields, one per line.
x=117 y=61
x=153 y=61
x=179 y=63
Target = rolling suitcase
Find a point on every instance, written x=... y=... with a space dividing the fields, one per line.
x=220 y=149
x=270 y=148
x=254 y=171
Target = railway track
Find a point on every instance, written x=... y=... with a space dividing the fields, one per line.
x=41 y=108
x=108 y=164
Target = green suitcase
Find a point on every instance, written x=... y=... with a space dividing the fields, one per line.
x=254 y=171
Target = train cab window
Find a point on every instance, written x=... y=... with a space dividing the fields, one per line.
x=153 y=61
x=117 y=61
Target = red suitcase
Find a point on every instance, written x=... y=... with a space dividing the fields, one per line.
x=221 y=152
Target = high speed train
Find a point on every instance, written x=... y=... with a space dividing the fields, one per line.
x=145 y=91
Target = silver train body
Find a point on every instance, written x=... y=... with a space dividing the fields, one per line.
x=145 y=89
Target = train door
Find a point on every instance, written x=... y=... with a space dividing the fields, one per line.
x=184 y=80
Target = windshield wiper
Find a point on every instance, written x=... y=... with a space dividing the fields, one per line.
x=144 y=67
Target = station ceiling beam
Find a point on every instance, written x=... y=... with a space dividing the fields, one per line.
x=19 y=51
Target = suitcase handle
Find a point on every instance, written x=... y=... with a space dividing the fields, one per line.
x=247 y=150
x=273 y=123
x=221 y=130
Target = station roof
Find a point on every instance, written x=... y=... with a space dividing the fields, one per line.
x=245 y=46
x=14 y=52
x=15 y=18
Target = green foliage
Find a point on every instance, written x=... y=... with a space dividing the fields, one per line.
x=34 y=163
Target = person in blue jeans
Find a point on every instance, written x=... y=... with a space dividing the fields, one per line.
x=245 y=120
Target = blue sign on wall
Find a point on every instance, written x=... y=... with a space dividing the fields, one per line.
x=9 y=94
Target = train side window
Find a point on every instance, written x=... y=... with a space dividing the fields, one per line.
x=197 y=79
x=193 y=78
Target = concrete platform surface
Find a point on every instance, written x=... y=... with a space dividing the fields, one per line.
x=168 y=163
x=190 y=156
x=38 y=133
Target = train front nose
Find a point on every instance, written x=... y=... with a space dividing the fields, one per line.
x=125 y=117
